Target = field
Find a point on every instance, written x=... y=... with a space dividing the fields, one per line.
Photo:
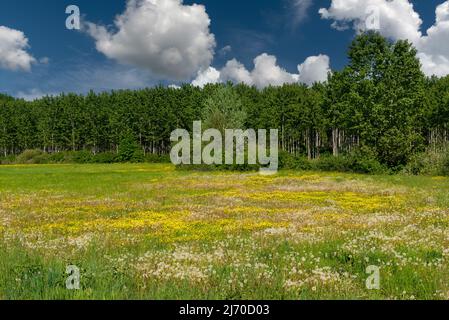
x=152 y=232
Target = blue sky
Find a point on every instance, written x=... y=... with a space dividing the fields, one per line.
x=249 y=28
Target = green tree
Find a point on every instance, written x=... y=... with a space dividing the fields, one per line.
x=129 y=150
x=224 y=109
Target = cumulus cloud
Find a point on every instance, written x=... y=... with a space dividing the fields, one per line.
x=434 y=47
x=236 y=72
x=434 y=65
x=13 y=54
x=210 y=75
x=166 y=37
x=267 y=72
x=314 y=69
x=398 y=20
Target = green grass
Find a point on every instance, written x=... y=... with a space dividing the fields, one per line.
x=152 y=232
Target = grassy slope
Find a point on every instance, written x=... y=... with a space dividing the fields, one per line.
x=150 y=232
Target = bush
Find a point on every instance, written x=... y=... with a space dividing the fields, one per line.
x=78 y=157
x=292 y=162
x=395 y=148
x=431 y=162
x=445 y=167
x=104 y=157
x=82 y=156
x=57 y=157
x=364 y=160
x=331 y=163
x=10 y=159
x=367 y=166
x=129 y=150
x=32 y=157
x=155 y=158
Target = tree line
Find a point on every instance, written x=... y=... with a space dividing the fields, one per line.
x=380 y=104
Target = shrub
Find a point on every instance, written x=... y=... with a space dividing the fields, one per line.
x=129 y=150
x=155 y=158
x=81 y=157
x=445 y=167
x=431 y=162
x=366 y=165
x=57 y=157
x=78 y=157
x=32 y=157
x=361 y=160
x=395 y=148
x=104 y=157
x=9 y=159
x=292 y=162
x=364 y=160
x=287 y=160
x=331 y=163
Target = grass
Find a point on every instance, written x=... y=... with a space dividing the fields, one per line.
x=152 y=232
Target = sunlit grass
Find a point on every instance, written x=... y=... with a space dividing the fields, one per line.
x=152 y=232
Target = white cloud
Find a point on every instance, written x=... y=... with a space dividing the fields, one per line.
x=300 y=9
x=210 y=75
x=13 y=54
x=236 y=72
x=434 y=64
x=314 y=69
x=442 y=12
x=267 y=72
x=399 y=20
x=166 y=37
x=434 y=47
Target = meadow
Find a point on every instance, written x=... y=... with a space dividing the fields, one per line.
x=148 y=231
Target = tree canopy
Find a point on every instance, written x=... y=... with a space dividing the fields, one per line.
x=380 y=103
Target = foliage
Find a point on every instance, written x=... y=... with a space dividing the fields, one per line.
x=104 y=157
x=380 y=101
x=358 y=161
x=129 y=150
x=32 y=157
x=223 y=110
x=431 y=162
x=9 y=159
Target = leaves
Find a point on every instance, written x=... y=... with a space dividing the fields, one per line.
x=380 y=102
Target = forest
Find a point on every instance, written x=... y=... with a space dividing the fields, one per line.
x=380 y=111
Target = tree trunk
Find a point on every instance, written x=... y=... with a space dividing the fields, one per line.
x=335 y=134
x=308 y=144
